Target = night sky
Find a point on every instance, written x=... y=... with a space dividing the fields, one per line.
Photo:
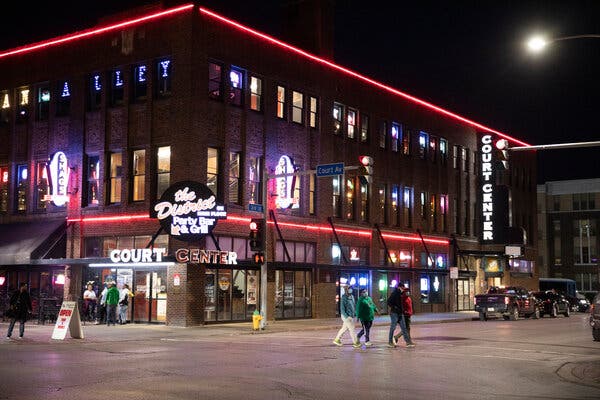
x=466 y=56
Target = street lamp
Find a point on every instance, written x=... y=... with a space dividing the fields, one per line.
x=537 y=44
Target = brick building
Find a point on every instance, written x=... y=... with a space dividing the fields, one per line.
x=100 y=123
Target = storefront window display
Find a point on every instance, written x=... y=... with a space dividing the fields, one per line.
x=230 y=294
x=293 y=294
x=432 y=288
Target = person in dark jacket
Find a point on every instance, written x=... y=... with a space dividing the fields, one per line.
x=20 y=305
x=397 y=317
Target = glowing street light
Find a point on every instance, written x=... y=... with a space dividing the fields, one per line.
x=536 y=44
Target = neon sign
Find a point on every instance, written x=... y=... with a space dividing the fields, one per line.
x=286 y=184
x=58 y=170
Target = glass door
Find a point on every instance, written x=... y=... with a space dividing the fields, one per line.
x=150 y=300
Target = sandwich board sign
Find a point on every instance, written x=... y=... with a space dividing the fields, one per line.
x=68 y=318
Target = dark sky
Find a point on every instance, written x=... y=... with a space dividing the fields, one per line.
x=466 y=56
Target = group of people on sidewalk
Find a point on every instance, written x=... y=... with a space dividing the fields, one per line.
x=113 y=300
x=400 y=308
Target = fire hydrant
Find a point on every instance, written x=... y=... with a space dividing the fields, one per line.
x=256 y=318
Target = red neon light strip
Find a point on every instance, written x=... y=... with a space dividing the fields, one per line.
x=357 y=75
x=83 y=34
x=233 y=218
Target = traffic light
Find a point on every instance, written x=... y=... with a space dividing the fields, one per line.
x=366 y=170
x=257 y=234
x=259 y=258
x=502 y=154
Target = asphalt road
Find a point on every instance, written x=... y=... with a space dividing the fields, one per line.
x=525 y=359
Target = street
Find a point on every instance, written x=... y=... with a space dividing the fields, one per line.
x=528 y=359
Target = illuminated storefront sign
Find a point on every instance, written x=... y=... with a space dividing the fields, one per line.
x=188 y=210
x=137 y=255
x=286 y=184
x=200 y=256
x=487 y=189
x=58 y=170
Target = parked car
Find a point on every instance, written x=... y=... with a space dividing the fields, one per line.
x=595 y=317
x=552 y=304
x=510 y=302
x=578 y=302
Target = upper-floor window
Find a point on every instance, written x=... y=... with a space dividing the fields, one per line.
x=163 y=77
x=139 y=175
x=22 y=105
x=351 y=124
x=350 y=196
x=163 y=169
x=406 y=134
x=338 y=117
x=234 y=177
x=585 y=249
x=364 y=128
x=584 y=201
x=432 y=212
x=337 y=196
x=236 y=86
x=140 y=82
x=22 y=188
x=5 y=106
x=423 y=144
x=396 y=135
x=382 y=134
x=280 y=102
x=432 y=148
x=43 y=102
x=63 y=98
x=407 y=205
x=93 y=176
x=364 y=201
x=443 y=151
x=313 y=112
x=423 y=204
x=212 y=170
x=115 y=169
x=464 y=159
x=117 y=87
x=255 y=93
x=395 y=205
x=94 y=97
x=555 y=203
x=455 y=155
x=383 y=204
x=312 y=194
x=215 y=81
x=297 y=107
x=4 y=183
x=444 y=211
x=42 y=188
x=254 y=180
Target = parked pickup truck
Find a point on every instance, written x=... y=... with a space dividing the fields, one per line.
x=510 y=302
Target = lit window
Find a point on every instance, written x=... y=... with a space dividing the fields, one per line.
x=396 y=133
x=364 y=128
x=254 y=179
x=163 y=169
x=140 y=82
x=350 y=198
x=236 y=85
x=4 y=182
x=234 y=178
x=383 y=199
x=443 y=151
x=382 y=134
x=163 y=77
x=63 y=102
x=364 y=201
x=432 y=213
x=22 y=188
x=312 y=200
x=337 y=192
x=407 y=201
x=139 y=175
x=93 y=176
x=43 y=103
x=464 y=159
x=313 y=116
x=94 y=100
x=423 y=199
x=444 y=210
x=297 y=107
x=455 y=150
x=42 y=187
x=4 y=107
x=280 y=102
x=406 y=142
x=117 y=86
x=351 y=123
x=432 y=148
x=116 y=177
x=255 y=93
x=423 y=144
x=212 y=170
x=338 y=113
x=215 y=81
x=22 y=105
x=396 y=204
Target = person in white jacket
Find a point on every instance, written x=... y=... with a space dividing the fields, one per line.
x=124 y=296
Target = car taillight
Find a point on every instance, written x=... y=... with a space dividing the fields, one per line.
x=506 y=300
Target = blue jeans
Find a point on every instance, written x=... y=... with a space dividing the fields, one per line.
x=111 y=314
x=395 y=320
x=12 y=325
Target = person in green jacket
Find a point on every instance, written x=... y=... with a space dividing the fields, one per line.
x=112 y=299
x=365 y=312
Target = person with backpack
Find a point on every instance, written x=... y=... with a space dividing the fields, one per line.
x=396 y=308
x=20 y=307
x=365 y=312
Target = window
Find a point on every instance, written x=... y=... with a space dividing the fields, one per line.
x=94 y=92
x=406 y=142
x=163 y=77
x=163 y=169
x=556 y=203
x=383 y=199
x=280 y=102
x=255 y=93
x=364 y=201
x=351 y=124
x=236 y=85
x=423 y=144
x=215 y=81
x=464 y=159
x=584 y=201
x=444 y=211
x=455 y=150
x=4 y=107
x=396 y=205
x=364 y=128
x=297 y=107
x=312 y=193
x=93 y=175
x=22 y=105
x=396 y=133
x=139 y=175
x=139 y=82
x=407 y=201
x=350 y=193
x=117 y=86
x=4 y=182
x=42 y=187
x=382 y=134
x=431 y=288
x=234 y=177
x=432 y=213
x=43 y=102
x=212 y=170
x=423 y=204
x=63 y=96
x=313 y=116
x=115 y=169
x=22 y=186
x=254 y=179
x=432 y=148
x=584 y=241
x=443 y=151
x=336 y=201
x=338 y=114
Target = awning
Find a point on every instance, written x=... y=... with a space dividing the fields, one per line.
x=22 y=243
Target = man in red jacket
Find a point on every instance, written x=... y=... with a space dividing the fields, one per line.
x=407 y=309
